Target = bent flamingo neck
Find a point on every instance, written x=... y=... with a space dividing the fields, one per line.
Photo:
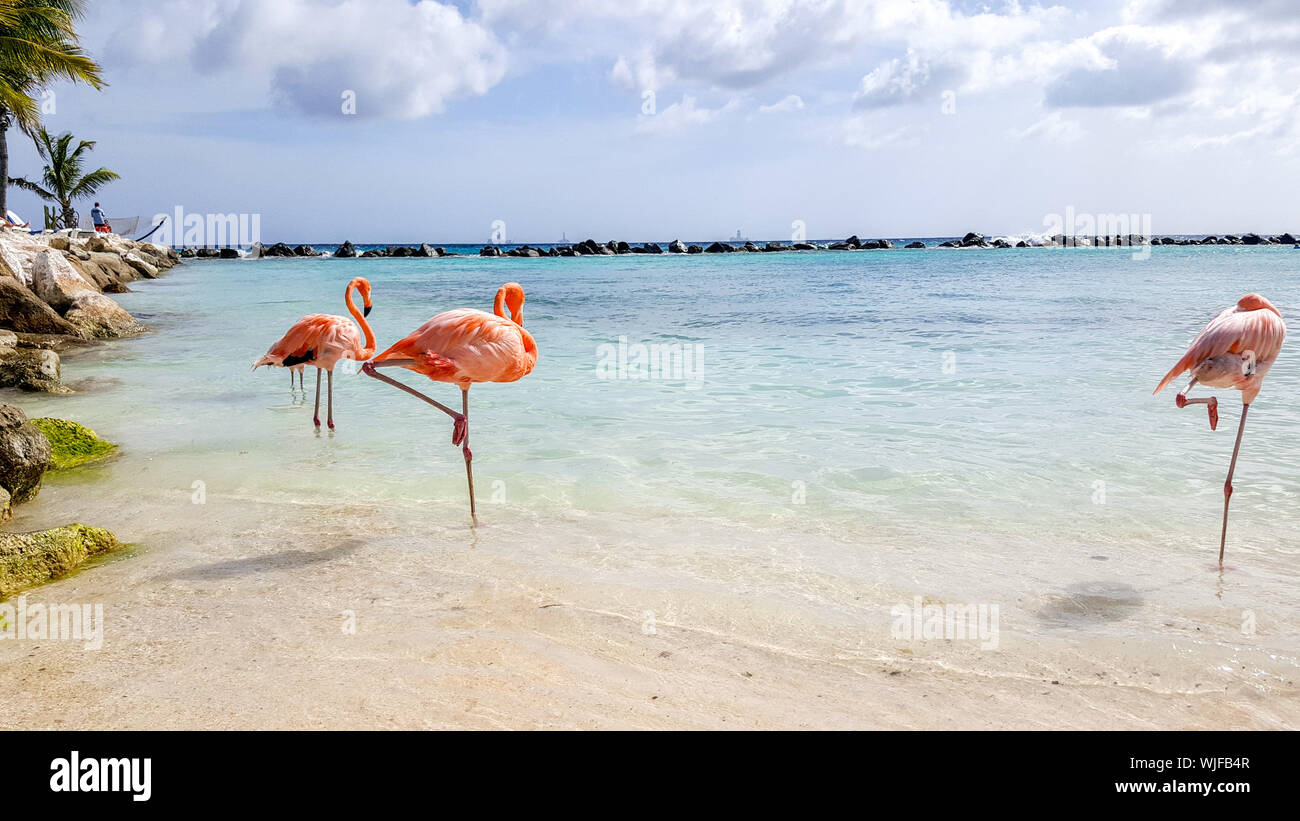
x=369 y=350
x=504 y=300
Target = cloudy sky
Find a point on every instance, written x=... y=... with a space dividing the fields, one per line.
x=653 y=119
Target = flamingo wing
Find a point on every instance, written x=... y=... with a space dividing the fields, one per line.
x=311 y=338
x=1234 y=331
x=467 y=345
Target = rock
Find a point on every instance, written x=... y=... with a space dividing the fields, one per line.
x=489 y=251
x=804 y=246
x=6 y=509
x=694 y=249
x=24 y=454
x=146 y=269
x=916 y=244
x=115 y=288
x=22 y=311
x=1287 y=238
x=231 y=253
x=56 y=281
x=853 y=243
x=29 y=559
x=949 y=244
x=1022 y=244
x=676 y=247
x=99 y=317
x=1001 y=243
x=190 y=253
x=719 y=248
x=426 y=250
x=59 y=242
x=1251 y=239
x=279 y=249
x=8 y=339
x=652 y=248
x=256 y=251
x=841 y=246
x=72 y=444
x=305 y=251
x=379 y=252
x=621 y=247
x=31 y=369
x=774 y=247
x=11 y=265
x=346 y=251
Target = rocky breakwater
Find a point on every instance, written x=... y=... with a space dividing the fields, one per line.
x=53 y=295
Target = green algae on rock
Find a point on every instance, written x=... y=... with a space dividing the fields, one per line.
x=29 y=559
x=72 y=444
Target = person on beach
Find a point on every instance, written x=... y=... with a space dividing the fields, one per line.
x=101 y=224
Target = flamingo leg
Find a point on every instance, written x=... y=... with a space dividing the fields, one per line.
x=469 y=455
x=1227 y=485
x=1182 y=401
x=329 y=413
x=369 y=369
x=316 y=414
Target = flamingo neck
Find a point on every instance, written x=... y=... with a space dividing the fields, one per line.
x=499 y=308
x=360 y=318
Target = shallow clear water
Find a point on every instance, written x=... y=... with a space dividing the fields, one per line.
x=968 y=426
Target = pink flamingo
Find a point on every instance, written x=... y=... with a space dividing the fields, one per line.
x=464 y=346
x=1234 y=351
x=321 y=340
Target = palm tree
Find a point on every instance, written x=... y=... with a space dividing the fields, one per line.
x=38 y=45
x=63 y=182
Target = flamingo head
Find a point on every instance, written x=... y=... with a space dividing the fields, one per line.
x=1255 y=302
x=512 y=294
x=363 y=285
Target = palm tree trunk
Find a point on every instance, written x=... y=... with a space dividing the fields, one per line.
x=4 y=161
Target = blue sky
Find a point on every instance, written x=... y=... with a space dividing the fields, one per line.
x=899 y=118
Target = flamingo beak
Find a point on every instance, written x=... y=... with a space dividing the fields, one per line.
x=365 y=311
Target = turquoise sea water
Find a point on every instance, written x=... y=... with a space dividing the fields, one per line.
x=971 y=426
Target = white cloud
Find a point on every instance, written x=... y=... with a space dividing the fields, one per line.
x=1052 y=128
x=403 y=60
x=791 y=102
x=681 y=116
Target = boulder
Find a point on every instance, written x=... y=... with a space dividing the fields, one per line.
x=305 y=251
x=1022 y=244
x=99 y=317
x=1001 y=243
x=23 y=311
x=853 y=243
x=56 y=281
x=31 y=369
x=12 y=266
x=346 y=251
x=24 y=454
x=1251 y=239
x=676 y=247
x=916 y=244
x=374 y=252
x=804 y=246
x=488 y=251
x=1287 y=238
x=972 y=238
x=279 y=249
x=29 y=559
x=841 y=246
x=72 y=444
x=775 y=246
x=949 y=244
x=256 y=251
x=8 y=339
x=694 y=249
x=229 y=253
x=426 y=250
x=719 y=248
x=145 y=269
